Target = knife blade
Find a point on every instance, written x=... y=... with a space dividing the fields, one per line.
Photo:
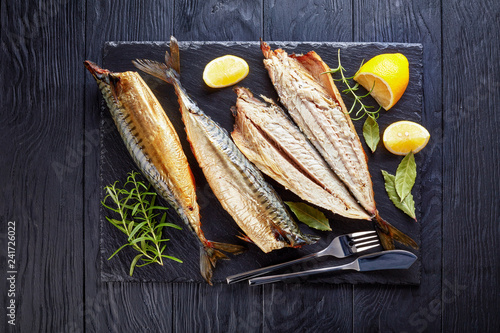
x=393 y=259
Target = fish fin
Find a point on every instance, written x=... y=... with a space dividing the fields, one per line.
x=388 y=234
x=157 y=69
x=299 y=240
x=293 y=239
x=234 y=111
x=175 y=61
x=116 y=86
x=245 y=238
x=229 y=248
x=266 y=49
x=209 y=254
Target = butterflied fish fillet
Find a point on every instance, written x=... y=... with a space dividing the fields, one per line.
x=237 y=184
x=278 y=148
x=155 y=147
x=314 y=103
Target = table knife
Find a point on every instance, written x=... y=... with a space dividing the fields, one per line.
x=393 y=259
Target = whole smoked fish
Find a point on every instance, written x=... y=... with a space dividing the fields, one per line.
x=237 y=184
x=314 y=103
x=155 y=147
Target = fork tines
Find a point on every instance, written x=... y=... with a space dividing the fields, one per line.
x=364 y=240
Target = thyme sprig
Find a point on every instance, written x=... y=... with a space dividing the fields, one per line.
x=370 y=128
x=134 y=205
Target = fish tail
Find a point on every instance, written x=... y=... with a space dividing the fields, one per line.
x=388 y=234
x=157 y=69
x=210 y=252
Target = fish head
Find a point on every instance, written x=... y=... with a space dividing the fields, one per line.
x=99 y=74
x=103 y=76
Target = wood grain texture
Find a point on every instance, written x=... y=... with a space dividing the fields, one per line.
x=49 y=168
x=471 y=227
x=309 y=20
x=201 y=305
x=41 y=169
x=218 y=20
x=329 y=308
x=410 y=309
x=305 y=308
x=117 y=307
x=221 y=308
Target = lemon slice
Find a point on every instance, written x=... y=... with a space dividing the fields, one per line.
x=388 y=74
x=225 y=71
x=404 y=136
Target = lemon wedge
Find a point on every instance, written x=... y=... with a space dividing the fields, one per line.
x=388 y=74
x=404 y=136
x=225 y=71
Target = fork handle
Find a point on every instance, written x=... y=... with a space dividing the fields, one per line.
x=264 y=270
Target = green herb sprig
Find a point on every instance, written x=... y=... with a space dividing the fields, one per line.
x=134 y=204
x=371 y=131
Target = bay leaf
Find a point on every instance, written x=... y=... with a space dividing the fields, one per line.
x=309 y=215
x=371 y=133
x=407 y=205
x=406 y=175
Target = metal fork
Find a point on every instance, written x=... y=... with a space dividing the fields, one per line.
x=341 y=246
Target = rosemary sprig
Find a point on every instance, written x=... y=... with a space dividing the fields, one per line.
x=363 y=109
x=370 y=128
x=134 y=205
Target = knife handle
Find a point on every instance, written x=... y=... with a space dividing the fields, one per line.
x=264 y=270
x=276 y=278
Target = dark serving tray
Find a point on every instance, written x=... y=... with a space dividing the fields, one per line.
x=217 y=224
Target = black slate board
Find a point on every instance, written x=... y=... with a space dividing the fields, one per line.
x=217 y=224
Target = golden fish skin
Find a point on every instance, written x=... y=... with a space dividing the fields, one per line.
x=155 y=147
x=271 y=141
x=237 y=184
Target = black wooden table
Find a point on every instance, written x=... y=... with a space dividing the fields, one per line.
x=50 y=151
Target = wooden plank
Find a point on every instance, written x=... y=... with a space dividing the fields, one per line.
x=214 y=20
x=308 y=20
x=306 y=307
x=471 y=88
x=117 y=307
x=387 y=308
x=42 y=164
x=221 y=308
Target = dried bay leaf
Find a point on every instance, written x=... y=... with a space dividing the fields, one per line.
x=406 y=175
x=407 y=205
x=371 y=133
x=309 y=215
